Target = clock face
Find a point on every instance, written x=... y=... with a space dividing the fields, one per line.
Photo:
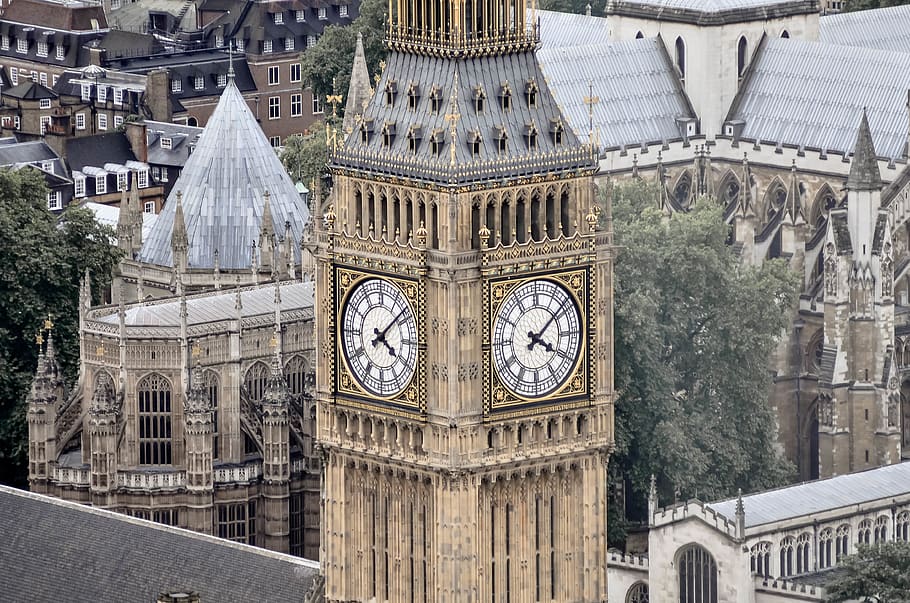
x=537 y=338
x=379 y=337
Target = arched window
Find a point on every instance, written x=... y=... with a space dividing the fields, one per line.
x=638 y=593
x=697 y=575
x=211 y=386
x=902 y=529
x=257 y=377
x=785 y=34
x=824 y=548
x=803 y=542
x=842 y=543
x=761 y=559
x=730 y=189
x=295 y=375
x=681 y=57
x=881 y=529
x=864 y=532
x=786 y=557
x=154 y=397
x=683 y=189
x=742 y=48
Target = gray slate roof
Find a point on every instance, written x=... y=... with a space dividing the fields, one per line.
x=181 y=136
x=54 y=550
x=639 y=91
x=210 y=308
x=25 y=152
x=568 y=29
x=809 y=94
x=819 y=496
x=223 y=185
x=882 y=28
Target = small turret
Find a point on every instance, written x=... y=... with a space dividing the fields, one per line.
x=267 y=257
x=359 y=90
x=104 y=414
x=864 y=172
x=179 y=240
x=198 y=430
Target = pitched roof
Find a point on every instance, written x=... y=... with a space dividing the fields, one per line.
x=640 y=96
x=54 y=550
x=26 y=152
x=70 y=15
x=223 y=185
x=210 y=307
x=711 y=12
x=97 y=150
x=882 y=28
x=864 y=174
x=568 y=29
x=811 y=95
x=29 y=90
x=815 y=497
x=181 y=136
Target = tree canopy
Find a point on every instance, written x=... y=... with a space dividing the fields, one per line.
x=853 y=5
x=326 y=67
x=694 y=331
x=875 y=574
x=42 y=259
x=572 y=6
x=304 y=156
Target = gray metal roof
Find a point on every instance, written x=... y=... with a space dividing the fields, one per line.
x=640 y=94
x=707 y=6
x=223 y=185
x=819 y=496
x=711 y=12
x=26 y=152
x=882 y=28
x=810 y=94
x=210 y=308
x=569 y=29
x=53 y=550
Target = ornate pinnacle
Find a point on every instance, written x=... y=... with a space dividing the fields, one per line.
x=484 y=234
x=591 y=218
x=421 y=235
x=48 y=323
x=330 y=218
x=39 y=339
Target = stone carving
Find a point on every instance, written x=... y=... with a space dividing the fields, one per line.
x=830 y=271
x=826 y=411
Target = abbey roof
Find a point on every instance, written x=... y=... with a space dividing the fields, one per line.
x=223 y=186
x=711 y=12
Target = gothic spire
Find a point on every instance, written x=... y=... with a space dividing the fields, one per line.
x=197 y=400
x=745 y=190
x=179 y=241
x=359 y=90
x=864 y=172
x=793 y=204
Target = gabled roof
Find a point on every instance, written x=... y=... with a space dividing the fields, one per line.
x=97 y=150
x=864 y=174
x=882 y=28
x=812 y=498
x=26 y=152
x=223 y=185
x=29 y=90
x=639 y=94
x=711 y=12
x=182 y=138
x=808 y=94
x=70 y=15
x=54 y=550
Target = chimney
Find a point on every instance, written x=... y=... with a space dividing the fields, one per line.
x=157 y=94
x=136 y=133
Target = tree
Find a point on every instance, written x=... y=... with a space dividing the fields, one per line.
x=569 y=6
x=694 y=331
x=42 y=259
x=304 y=156
x=326 y=67
x=854 y=5
x=879 y=573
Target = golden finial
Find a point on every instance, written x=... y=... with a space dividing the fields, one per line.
x=421 y=235
x=330 y=217
x=591 y=218
x=48 y=323
x=39 y=339
x=484 y=233
x=590 y=100
x=382 y=65
x=273 y=342
x=196 y=351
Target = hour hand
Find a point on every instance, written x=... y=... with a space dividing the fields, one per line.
x=380 y=338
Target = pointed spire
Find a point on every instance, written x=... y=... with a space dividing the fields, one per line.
x=663 y=201
x=740 y=514
x=197 y=399
x=359 y=90
x=230 y=73
x=864 y=172
x=179 y=241
x=793 y=204
x=745 y=191
x=652 y=499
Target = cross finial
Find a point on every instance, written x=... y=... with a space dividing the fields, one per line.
x=590 y=100
x=48 y=323
x=334 y=98
x=39 y=339
x=230 y=73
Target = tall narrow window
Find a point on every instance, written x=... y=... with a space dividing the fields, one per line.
x=842 y=543
x=256 y=378
x=786 y=557
x=681 y=57
x=761 y=559
x=881 y=529
x=211 y=386
x=154 y=398
x=697 y=576
x=803 y=542
x=741 y=50
x=864 y=532
x=902 y=526
x=824 y=548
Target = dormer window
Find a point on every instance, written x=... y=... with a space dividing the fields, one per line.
x=556 y=129
x=121 y=181
x=167 y=142
x=143 y=178
x=435 y=99
x=502 y=138
x=388 y=133
x=366 y=130
x=102 y=94
x=323 y=13
x=4 y=42
x=413 y=96
x=279 y=18
x=79 y=186
x=300 y=15
x=437 y=141
x=391 y=88
x=505 y=96
x=22 y=45
x=479 y=97
x=531 y=91
x=44 y=103
x=61 y=52
x=474 y=142
x=266 y=46
x=101 y=184
x=530 y=133
x=199 y=82
x=86 y=92
x=415 y=134
x=118 y=96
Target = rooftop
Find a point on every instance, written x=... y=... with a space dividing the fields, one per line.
x=54 y=550
x=882 y=28
x=568 y=29
x=711 y=12
x=62 y=15
x=209 y=307
x=812 y=498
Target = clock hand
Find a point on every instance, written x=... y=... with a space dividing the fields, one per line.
x=380 y=335
x=538 y=337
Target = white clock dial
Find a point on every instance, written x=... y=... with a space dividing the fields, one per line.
x=379 y=337
x=537 y=338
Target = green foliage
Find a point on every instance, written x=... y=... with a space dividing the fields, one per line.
x=853 y=5
x=879 y=573
x=694 y=331
x=330 y=60
x=41 y=262
x=571 y=6
x=304 y=156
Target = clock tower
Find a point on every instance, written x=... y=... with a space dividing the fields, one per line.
x=464 y=316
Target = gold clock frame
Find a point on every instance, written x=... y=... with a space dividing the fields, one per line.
x=412 y=399
x=577 y=390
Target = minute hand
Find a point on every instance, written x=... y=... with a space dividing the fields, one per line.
x=538 y=337
x=380 y=335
